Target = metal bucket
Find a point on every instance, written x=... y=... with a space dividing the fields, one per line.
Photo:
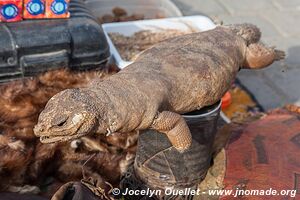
x=158 y=165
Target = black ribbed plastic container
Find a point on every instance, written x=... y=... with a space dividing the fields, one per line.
x=30 y=47
x=158 y=165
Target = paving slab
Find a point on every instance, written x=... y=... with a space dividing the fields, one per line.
x=290 y=45
x=287 y=4
x=249 y=6
x=208 y=7
x=287 y=80
x=279 y=22
x=264 y=92
x=287 y=22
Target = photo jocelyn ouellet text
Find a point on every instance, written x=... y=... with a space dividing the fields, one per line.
x=213 y=192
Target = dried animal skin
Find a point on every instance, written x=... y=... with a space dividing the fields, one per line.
x=119 y=15
x=24 y=189
x=130 y=47
x=176 y=76
x=118 y=12
x=22 y=159
x=94 y=145
x=43 y=155
x=15 y=158
x=14 y=89
x=123 y=141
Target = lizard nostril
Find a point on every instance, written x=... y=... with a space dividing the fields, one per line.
x=38 y=129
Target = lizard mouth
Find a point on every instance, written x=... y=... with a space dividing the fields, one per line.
x=77 y=128
x=53 y=139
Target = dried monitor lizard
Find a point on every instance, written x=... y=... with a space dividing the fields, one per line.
x=176 y=76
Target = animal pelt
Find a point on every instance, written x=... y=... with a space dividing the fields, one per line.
x=113 y=143
x=14 y=160
x=21 y=128
x=43 y=162
x=24 y=160
x=27 y=97
x=66 y=162
x=107 y=163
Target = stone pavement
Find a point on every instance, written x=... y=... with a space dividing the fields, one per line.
x=279 y=21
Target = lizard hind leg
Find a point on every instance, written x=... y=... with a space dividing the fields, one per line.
x=176 y=129
x=259 y=56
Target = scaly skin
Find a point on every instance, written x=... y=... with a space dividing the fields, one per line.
x=176 y=76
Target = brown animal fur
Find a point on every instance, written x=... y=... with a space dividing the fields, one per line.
x=23 y=160
x=14 y=158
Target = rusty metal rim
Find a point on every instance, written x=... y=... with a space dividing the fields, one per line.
x=204 y=114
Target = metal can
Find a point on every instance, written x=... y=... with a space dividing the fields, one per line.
x=158 y=165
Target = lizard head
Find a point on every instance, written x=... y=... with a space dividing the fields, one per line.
x=68 y=115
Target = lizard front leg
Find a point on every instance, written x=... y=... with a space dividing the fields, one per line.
x=259 y=56
x=176 y=129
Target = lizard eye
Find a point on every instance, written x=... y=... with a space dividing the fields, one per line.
x=60 y=121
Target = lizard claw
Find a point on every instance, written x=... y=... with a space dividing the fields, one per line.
x=279 y=54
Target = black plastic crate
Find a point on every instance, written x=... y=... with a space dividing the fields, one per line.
x=33 y=46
